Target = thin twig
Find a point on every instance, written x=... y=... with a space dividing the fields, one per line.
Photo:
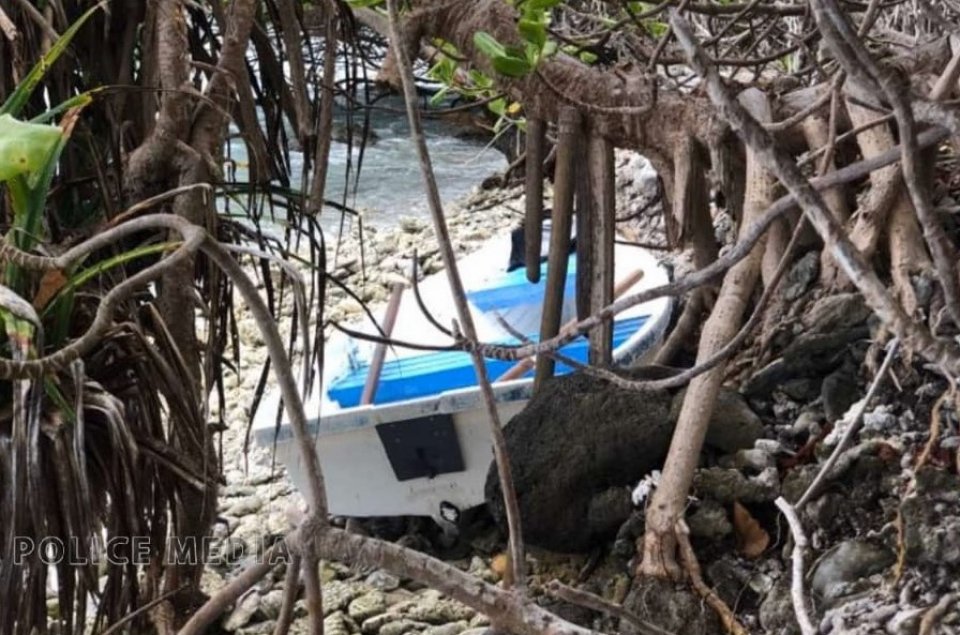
x=692 y=567
x=800 y=608
x=291 y=588
x=459 y=296
x=852 y=428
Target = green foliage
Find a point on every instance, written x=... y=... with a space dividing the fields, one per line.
x=25 y=148
x=518 y=61
x=18 y=99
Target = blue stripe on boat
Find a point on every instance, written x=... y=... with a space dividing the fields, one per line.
x=514 y=290
x=434 y=373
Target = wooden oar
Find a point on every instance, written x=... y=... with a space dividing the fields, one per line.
x=380 y=352
x=522 y=367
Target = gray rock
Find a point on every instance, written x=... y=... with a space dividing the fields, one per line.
x=433 y=608
x=931 y=519
x=398 y=627
x=453 y=628
x=367 y=605
x=806 y=424
x=753 y=459
x=337 y=595
x=840 y=311
x=478 y=620
x=709 y=521
x=801 y=275
x=260 y=628
x=797 y=480
x=845 y=563
x=337 y=624
x=243 y=612
x=879 y=421
x=577 y=437
x=733 y=425
x=581 y=443
x=383 y=581
x=776 y=611
x=246 y=506
x=726 y=486
x=270 y=604
x=839 y=391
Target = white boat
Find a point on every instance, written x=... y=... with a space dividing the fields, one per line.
x=424 y=443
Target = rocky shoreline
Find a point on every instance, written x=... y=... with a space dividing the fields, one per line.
x=877 y=508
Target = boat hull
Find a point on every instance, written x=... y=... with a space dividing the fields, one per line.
x=414 y=456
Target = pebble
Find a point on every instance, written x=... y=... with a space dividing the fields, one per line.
x=337 y=595
x=242 y=612
x=367 y=605
x=398 y=627
x=336 y=624
x=270 y=604
x=433 y=608
x=453 y=628
x=383 y=581
x=847 y=562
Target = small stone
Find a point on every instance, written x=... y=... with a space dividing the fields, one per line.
x=367 y=605
x=454 y=628
x=801 y=275
x=211 y=581
x=435 y=609
x=478 y=620
x=398 y=627
x=383 y=581
x=260 y=628
x=337 y=595
x=753 y=459
x=246 y=506
x=726 y=486
x=776 y=611
x=840 y=311
x=336 y=623
x=839 y=391
x=270 y=604
x=880 y=420
x=242 y=612
x=847 y=562
x=710 y=521
x=807 y=424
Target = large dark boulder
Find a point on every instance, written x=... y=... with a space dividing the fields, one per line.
x=581 y=444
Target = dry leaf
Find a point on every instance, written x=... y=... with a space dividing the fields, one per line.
x=50 y=285
x=500 y=564
x=752 y=539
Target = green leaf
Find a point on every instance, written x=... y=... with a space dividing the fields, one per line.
x=363 y=4
x=512 y=66
x=479 y=79
x=25 y=147
x=656 y=28
x=498 y=106
x=549 y=48
x=488 y=45
x=533 y=32
x=18 y=99
x=588 y=57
